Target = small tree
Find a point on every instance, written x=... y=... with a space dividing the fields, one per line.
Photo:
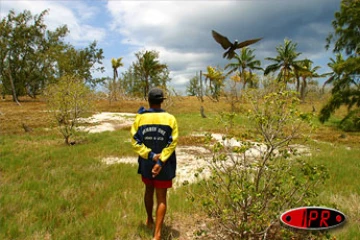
x=253 y=183
x=68 y=100
x=193 y=87
x=232 y=94
x=216 y=79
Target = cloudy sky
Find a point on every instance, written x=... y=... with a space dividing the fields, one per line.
x=181 y=30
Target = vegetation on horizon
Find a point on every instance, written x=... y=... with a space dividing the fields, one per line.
x=47 y=58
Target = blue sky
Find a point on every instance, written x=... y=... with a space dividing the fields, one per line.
x=181 y=30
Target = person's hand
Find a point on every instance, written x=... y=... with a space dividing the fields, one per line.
x=156 y=170
x=156 y=157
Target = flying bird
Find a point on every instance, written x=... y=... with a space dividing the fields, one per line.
x=231 y=47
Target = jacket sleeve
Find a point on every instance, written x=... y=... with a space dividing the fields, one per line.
x=136 y=141
x=167 y=151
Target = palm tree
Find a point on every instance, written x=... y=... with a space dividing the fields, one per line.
x=115 y=63
x=148 y=68
x=285 y=61
x=336 y=74
x=216 y=77
x=345 y=90
x=244 y=61
x=307 y=73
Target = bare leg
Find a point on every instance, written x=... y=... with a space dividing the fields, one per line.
x=149 y=202
x=160 y=211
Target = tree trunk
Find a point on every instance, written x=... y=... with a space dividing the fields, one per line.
x=67 y=140
x=114 y=90
x=297 y=83
x=15 y=98
x=303 y=90
x=146 y=88
x=201 y=87
x=29 y=93
x=245 y=77
x=202 y=112
x=235 y=91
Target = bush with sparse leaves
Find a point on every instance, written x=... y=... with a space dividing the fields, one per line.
x=252 y=183
x=67 y=101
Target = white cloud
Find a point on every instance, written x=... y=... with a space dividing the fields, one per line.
x=181 y=30
x=156 y=22
x=73 y=15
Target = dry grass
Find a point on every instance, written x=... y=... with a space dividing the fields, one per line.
x=32 y=113
x=334 y=135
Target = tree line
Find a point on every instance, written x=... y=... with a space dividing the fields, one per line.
x=344 y=75
x=34 y=57
x=290 y=69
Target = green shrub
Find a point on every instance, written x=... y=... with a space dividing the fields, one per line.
x=67 y=101
x=252 y=183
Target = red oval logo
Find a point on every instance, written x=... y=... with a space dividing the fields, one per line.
x=312 y=218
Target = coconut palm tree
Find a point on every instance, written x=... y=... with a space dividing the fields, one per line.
x=345 y=90
x=245 y=61
x=336 y=74
x=115 y=63
x=148 y=67
x=307 y=74
x=285 y=61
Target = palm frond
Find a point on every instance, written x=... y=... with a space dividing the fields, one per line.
x=272 y=68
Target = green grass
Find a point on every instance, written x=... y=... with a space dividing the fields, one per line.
x=341 y=190
x=52 y=191
x=65 y=191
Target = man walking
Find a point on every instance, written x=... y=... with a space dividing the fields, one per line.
x=154 y=136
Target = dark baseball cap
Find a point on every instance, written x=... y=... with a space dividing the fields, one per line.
x=156 y=94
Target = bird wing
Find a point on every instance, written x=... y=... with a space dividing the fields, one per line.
x=223 y=41
x=247 y=43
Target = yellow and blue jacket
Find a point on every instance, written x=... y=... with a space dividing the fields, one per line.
x=155 y=131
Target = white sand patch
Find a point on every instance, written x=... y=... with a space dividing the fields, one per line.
x=259 y=148
x=107 y=121
x=188 y=163
x=114 y=160
x=103 y=127
x=108 y=116
x=191 y=159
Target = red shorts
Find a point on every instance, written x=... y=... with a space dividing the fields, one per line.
x=157 y=183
